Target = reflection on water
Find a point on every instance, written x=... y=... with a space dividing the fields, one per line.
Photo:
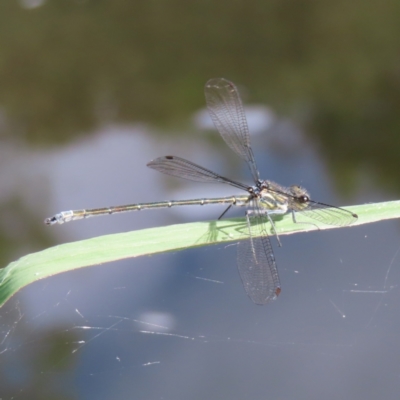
x=156 y=323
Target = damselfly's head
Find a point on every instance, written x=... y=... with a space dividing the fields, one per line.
x=299 y=197
x=299 y=200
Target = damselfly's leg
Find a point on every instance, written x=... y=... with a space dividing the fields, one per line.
x=264 y=212
x=305 y=223
x=248 y=212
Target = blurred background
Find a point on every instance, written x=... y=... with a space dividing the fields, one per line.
x=90 y=91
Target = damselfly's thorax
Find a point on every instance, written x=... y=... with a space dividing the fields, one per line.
x=275 y=201
x=280 y=197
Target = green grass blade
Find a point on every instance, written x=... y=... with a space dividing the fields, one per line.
x=107 y=248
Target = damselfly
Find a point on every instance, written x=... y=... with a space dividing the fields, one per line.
x=256 y=261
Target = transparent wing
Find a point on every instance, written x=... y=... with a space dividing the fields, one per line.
x=327 y=214
x=226 y=111
x=182 y=168
x=256 y=261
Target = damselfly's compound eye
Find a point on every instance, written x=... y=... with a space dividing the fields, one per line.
x=304 y=199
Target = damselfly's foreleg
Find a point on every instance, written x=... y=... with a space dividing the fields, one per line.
x=248 y=212
x=270 y=221
x=305 y=223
